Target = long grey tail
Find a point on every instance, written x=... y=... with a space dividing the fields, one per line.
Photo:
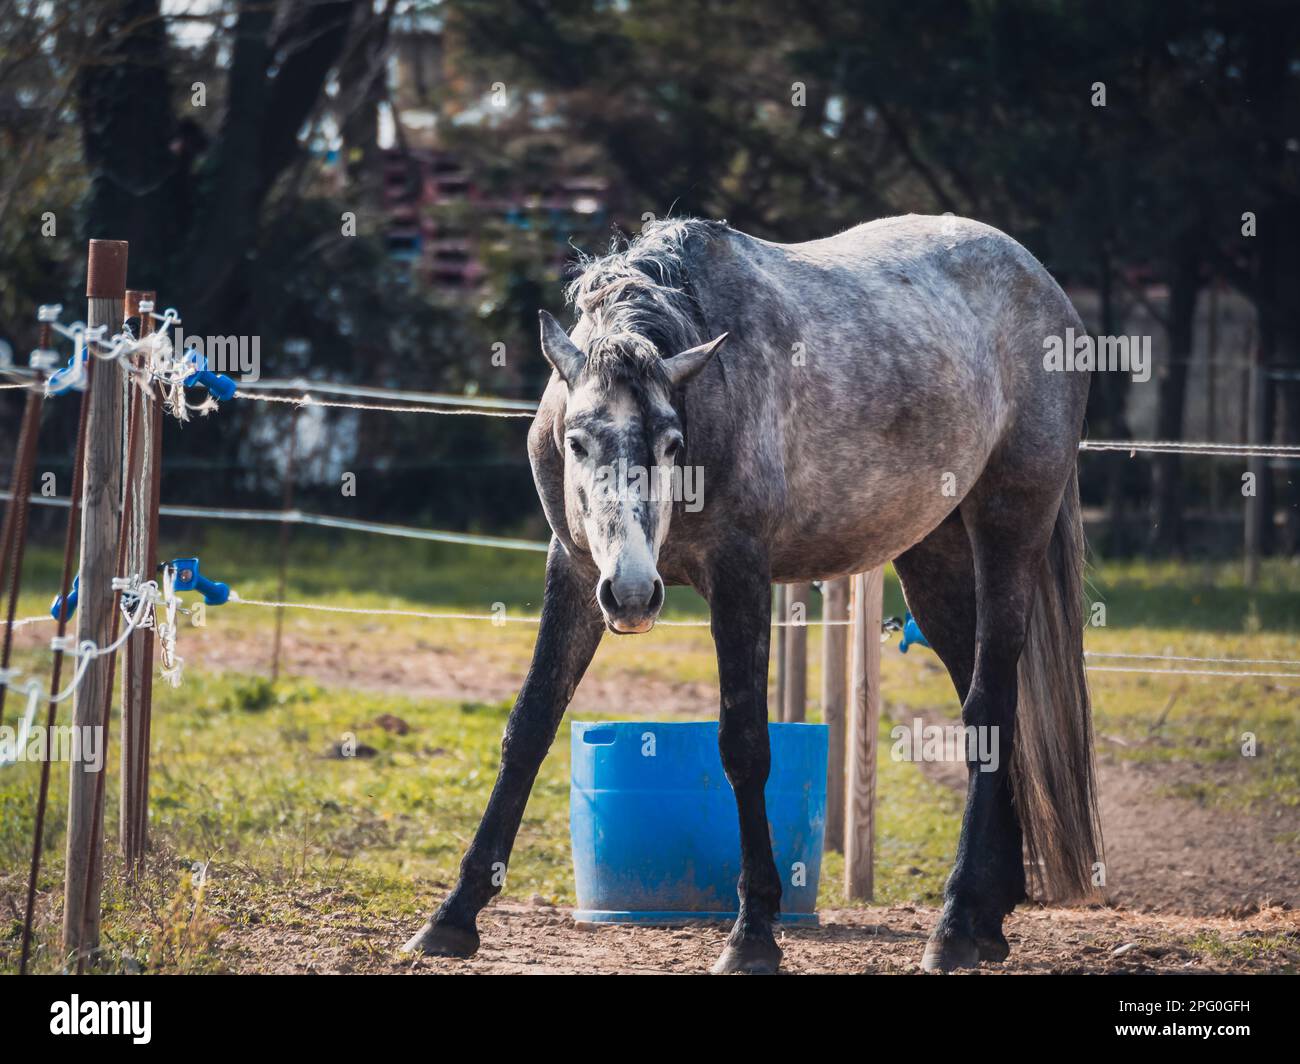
x=1053 y=772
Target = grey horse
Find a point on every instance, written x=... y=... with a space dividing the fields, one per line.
x=873 y=396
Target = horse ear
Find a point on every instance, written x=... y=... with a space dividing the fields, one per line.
x=560 y=351
x=684 y=366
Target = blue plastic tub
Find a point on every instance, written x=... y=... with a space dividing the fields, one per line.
x=654 y=828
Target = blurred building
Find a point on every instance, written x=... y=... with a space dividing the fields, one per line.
x=442 y=216
x=446 y=211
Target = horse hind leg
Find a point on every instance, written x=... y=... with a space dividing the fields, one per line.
x=1009 y=527
x=938 y=578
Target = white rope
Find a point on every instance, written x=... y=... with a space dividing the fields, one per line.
x=169 y=369
x=451 y=616
x=23 y=622
x=146 y=595
x=172 y=664
x=1186 y=445
x=135 y=599
x=1200 y=661
x=160 y=364
x=1221 y=450
x=297 y=517
x=506 y=619
x=309 y=400
x=422 y=614
x=362 y=391
x=494 y=617
x=1196 y=672
x=482 y=404
x=85 y=652
x=497 y=618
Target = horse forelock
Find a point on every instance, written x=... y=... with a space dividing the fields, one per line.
x=638 y=303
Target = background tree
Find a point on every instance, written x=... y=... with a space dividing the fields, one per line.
x=787 y=119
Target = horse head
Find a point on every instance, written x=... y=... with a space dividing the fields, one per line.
x=622 y=441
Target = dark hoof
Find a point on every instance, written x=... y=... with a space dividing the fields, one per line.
x=751 y=956
x=443 y=940
x=945 y=953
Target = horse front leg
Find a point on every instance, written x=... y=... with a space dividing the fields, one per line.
x=740 y=598
x=570 y=631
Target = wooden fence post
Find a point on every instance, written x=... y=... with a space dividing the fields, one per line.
x=146 y=729
x=286 y=503
x=141 y=557
x=778 y=638
x=101 y=494
x=796 y=653
x=864 y=723
x=13 y=538
x=56 y=668
x=835 y=645
x=1256 y=515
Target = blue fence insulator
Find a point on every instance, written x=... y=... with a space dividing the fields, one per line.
x=219 y=386
x=60 y=610
x=189 y=578
x=912 y=634
x=71 y=378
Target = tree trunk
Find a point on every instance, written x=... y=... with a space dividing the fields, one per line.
x=1282 y=389
x=1168 y=529
x=1105 y=414
x=191 y=211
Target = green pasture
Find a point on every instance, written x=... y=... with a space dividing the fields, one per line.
x=252 y=817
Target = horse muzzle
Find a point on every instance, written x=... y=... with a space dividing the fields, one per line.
x=630 y=604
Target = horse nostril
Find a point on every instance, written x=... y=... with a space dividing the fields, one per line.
x=630 y=596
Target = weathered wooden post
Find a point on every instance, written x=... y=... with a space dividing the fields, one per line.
x=779 y=615
x=796 y=653
x=835 y=645
x=13 y=538
x=56 y=668
x=1256 y=514
x=864 y=723
x=141 y=557
x=101 y=494
x=286 y=503
x=1211 y=386
x=146 y=729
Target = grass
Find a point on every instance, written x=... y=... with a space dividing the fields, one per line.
x=1276 y=949
x=243 y=782
x=254 y=822
x=1243 y=732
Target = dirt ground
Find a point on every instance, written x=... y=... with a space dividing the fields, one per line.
x=1162 y=854
x=1169 y=855
x=1189 y=889
x=540 y=940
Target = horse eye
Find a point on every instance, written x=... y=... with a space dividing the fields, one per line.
x=578 y=449
x=674 y=446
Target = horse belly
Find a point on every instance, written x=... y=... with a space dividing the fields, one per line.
x=866 y=525
x=857 y=496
